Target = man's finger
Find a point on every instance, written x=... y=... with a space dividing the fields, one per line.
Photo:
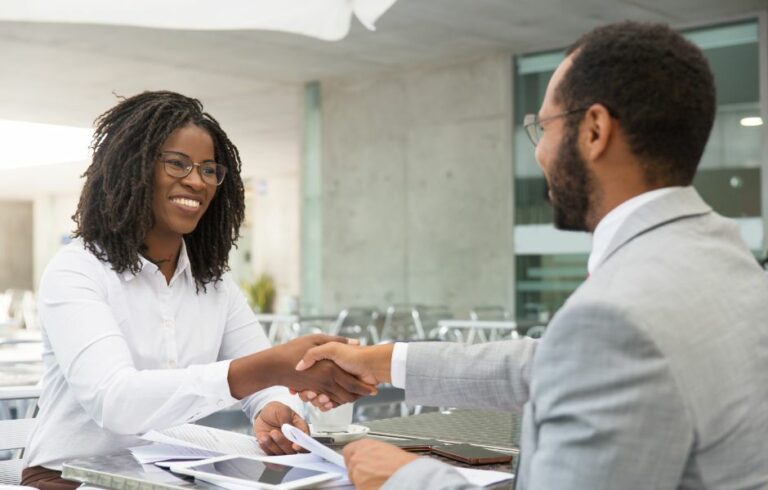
x=307 y=396
x=325 y=351
x=353 y=385
x=350 y=450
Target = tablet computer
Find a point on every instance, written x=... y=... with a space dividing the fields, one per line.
x=250 y=472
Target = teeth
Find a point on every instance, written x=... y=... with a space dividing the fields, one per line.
x=186 y=202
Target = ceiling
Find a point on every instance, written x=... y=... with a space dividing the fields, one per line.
x=252 y=80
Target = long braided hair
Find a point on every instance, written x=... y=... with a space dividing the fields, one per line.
x=114 y=213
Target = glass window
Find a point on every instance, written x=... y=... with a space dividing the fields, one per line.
x=728 y=178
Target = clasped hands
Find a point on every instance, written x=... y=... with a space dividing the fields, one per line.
x=277 y=366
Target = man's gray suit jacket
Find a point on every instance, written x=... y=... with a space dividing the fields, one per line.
x=653 y=375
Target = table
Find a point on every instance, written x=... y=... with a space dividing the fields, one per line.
x=476 y=326
x=122 y=471
x=21 y=358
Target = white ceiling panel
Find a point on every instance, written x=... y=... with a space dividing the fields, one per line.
x=252 y=80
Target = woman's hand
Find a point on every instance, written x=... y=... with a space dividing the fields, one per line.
x=277 y=367
x=267 y=430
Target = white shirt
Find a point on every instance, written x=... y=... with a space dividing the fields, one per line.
x=127 y=353
x=604 y=232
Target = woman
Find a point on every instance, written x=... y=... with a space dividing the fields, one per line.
x=141 y=321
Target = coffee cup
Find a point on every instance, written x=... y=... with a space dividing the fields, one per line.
x=335 y=420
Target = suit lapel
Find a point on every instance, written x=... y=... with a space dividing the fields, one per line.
x=682 y=203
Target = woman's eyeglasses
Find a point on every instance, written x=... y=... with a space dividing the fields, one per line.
x=179 y=165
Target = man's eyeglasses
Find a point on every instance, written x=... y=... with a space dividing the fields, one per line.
x=179 y=165
x=533 y=127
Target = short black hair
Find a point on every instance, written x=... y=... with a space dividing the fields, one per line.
x=114 y=213
x=659 y=86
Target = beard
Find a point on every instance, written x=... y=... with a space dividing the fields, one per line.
x=570 y=185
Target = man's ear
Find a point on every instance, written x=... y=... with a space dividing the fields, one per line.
x=597 y=128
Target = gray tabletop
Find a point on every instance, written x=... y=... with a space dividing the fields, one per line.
x=487 y=428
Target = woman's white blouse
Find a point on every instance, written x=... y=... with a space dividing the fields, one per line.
x=127 y=353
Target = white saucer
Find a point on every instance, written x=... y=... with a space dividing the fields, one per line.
x=353 y=433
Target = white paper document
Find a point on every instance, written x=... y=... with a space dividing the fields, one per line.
x=152 y=453
x=332 y=460
x=297 y=436
x=207 y=438
x=200 y=442
x=484 y=478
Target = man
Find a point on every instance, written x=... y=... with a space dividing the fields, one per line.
x=654 y=374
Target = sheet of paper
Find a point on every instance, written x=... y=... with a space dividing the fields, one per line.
x=483 y=478
x=297 y=436
x=152 y=453
x=207 y=438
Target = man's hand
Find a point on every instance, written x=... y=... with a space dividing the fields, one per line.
x=370 y=463
x=267 y=426
x=277 y=366
x=371 y=365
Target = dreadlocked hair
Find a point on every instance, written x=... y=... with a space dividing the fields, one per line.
x=114 y=213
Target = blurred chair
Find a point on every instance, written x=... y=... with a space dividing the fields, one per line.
x=427 y=318
x=492 y=314
x=279 y=328
x=399 y=324
x=536 y=331
x=360 y=322
x=14 y=432
x=414 y=322
x=308 y=325
x=5 y=307
x=28 y=311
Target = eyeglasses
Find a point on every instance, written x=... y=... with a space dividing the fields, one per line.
x=533 y=127
x=179 y=165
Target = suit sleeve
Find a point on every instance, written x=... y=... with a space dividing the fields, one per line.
x=606 y=409
x=493 y=375
x=425 y=473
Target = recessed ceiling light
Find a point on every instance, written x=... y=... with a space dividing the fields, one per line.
x=27 y=144
x=751 y=121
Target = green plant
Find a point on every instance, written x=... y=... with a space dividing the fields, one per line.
x=261 y=294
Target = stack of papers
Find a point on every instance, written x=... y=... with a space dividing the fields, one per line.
x=192 y=442
x=187 y=442
x=334 y=459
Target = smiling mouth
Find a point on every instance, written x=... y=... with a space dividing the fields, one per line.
x=187 y=203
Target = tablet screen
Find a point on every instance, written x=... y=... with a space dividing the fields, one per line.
x=256 y=471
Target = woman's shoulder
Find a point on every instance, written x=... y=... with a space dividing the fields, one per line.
x=225 y=285
x=77 y=256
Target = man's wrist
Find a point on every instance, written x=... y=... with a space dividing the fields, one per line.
x=380 y=358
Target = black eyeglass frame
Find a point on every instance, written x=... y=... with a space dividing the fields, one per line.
x=220 y=171
x=532 y=123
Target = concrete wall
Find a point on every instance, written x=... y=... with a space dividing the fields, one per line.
x=417 y=187
x=16 y=258
x=274 y=231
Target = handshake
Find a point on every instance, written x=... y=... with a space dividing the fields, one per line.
x=324 y=370
x=355 y=371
